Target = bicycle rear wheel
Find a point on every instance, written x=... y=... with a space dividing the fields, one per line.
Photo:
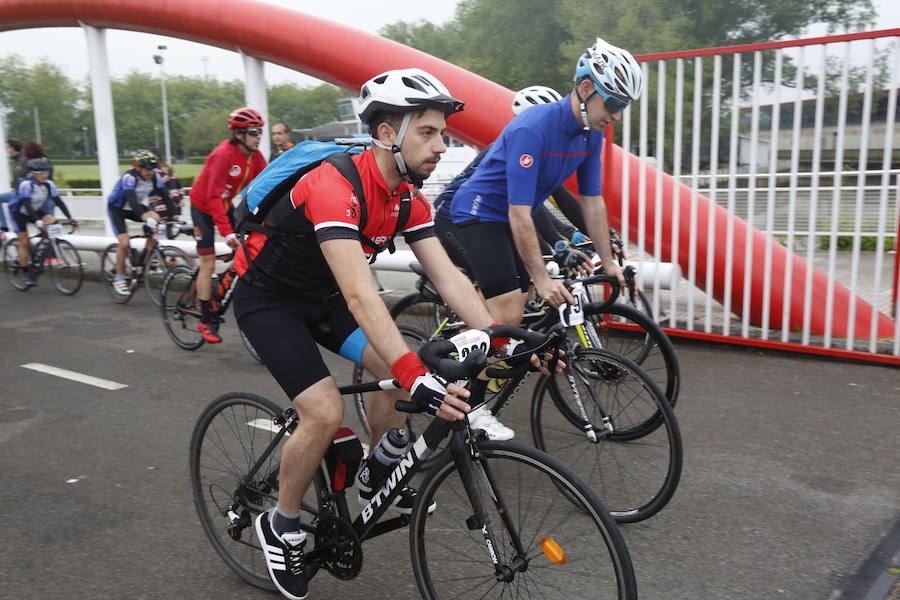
x=160 y=261
x=67 y=270
x=230 y=436
x=108 y=270
x=14 y=270
x=623 y=438
x=569 y=551
x=180 y=308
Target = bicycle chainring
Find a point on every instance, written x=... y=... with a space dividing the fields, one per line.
x=340 y=546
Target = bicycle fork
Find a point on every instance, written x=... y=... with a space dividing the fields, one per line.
x=589 y=430
x=474 y=473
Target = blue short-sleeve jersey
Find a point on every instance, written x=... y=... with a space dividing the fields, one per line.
x=132 y=180
x=33 y=192
x=536 y=152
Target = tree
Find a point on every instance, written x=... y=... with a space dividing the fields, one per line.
x=46 y=88
x=304 y=107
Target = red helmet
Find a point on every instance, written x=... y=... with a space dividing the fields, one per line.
x=245 y=117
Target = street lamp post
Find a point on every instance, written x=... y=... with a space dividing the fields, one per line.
x=156 y=136
x=84 y=136
x=158 y=58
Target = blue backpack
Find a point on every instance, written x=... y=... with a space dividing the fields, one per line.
x=266 y=206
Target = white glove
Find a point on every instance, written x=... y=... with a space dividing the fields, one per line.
x=428 y=393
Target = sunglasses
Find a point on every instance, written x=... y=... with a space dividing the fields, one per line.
x=615 y=105
x=253 y=131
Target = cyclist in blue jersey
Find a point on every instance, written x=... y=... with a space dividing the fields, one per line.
x=535 y=153
x=129 y=201
x=32 y=195
x=549 y=228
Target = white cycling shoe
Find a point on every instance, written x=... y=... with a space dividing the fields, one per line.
x=481 y=418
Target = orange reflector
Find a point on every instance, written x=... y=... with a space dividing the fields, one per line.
x=553 y=551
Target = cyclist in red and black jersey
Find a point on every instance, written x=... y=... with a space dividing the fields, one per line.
x=315 y=286
x=228 y=168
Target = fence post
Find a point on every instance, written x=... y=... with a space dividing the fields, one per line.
x=896 y=288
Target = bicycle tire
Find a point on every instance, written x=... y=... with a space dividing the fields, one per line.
x=68 y=272
x=160 y=260
x=108 y=269
x=628 y=332
x=14 y=271
x=637 y=466
x=524 y=482
x=179 y=308
x=425 y=314
x=250 y=349
x=218 y=480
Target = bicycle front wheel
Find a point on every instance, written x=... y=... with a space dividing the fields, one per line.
x=160 y=261
x=230 y=436
x=427 y=315
x=67 y=270
x=631 y=333
x=108 y=271
x=606 y=419
x=180 y=308
x=552 y=547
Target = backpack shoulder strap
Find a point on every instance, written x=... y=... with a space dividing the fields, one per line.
x=343 y=162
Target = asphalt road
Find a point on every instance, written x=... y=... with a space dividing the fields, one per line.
x=790 y=472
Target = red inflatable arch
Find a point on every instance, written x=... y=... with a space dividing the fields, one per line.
x=348 y=57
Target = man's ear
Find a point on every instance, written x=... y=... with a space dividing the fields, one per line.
x=386 y=134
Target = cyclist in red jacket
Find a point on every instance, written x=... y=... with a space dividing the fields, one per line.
x=228 y=169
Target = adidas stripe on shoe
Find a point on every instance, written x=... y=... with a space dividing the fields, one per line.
x=284 y=557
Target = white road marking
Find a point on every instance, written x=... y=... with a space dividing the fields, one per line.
x=80 y=377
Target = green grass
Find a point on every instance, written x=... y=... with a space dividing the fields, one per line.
x=64 y=172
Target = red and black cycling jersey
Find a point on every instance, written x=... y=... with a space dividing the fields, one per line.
x=225 y=173
x=326 y=208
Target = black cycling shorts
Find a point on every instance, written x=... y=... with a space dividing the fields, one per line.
x=493 y=256
x=21 y=220
x=118 y=214
x=284 y=331
x=205 y=231
x=449 y=235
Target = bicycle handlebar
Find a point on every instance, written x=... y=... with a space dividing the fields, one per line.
x=436 y=354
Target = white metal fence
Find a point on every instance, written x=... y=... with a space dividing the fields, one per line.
x=829 y=195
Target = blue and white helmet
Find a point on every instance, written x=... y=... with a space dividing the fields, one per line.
x=532 y=96
x=613 y=71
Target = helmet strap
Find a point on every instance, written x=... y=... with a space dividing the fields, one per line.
x=583 y=107
x=398 y=157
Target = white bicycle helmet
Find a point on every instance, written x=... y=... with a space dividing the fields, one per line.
x=404 y=91
x=613 y=71
x=533 y=95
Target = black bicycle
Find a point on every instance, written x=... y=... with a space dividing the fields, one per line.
x=50 y=253
x=511 y=521
x=145 y=267
x=180 y=308
x=586 y=414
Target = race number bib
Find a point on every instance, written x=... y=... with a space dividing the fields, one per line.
x=573 y=314
x=54 y=230
x=469 y=341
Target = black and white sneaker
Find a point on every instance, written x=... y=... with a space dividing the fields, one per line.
x=284 y=557
x=402 y=504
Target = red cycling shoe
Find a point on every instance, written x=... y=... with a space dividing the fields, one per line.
x=210 y=332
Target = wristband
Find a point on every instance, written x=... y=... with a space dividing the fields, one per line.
x=407 y=368
x=498 y=342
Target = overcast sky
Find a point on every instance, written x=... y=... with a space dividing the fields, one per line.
x=66 y=46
